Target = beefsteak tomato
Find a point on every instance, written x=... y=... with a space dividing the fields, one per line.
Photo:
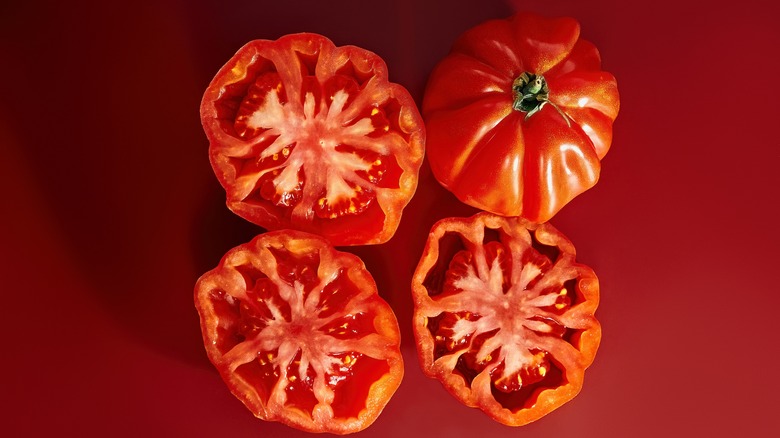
x=519 y=115
x=299 y=333
x=310 y=136
x=503 y=316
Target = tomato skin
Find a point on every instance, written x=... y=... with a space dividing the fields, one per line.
x=498 y=159
x=276 y=105
x=289 y=297
x=539 y=319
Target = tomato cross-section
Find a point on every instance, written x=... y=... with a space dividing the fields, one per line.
x=310 y=136
x=299 y=333
x=504 y=316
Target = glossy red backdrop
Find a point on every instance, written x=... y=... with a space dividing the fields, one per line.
x=110 y=212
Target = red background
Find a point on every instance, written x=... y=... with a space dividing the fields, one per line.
x=110 y=212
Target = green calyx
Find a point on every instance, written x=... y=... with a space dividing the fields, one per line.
x=531 y=94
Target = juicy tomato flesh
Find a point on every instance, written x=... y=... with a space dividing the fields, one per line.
x=480 y=336
x=303 y=353
x=314 y=159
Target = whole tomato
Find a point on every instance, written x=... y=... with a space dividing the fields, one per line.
x=519 y=115
x=310 y=136
x=299 y=333
x=504 y=316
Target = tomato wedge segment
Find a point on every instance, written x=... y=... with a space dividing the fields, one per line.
x=299 y=333
x=504 y=316
x=309 y=136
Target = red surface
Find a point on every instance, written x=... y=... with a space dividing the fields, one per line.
x=110 y=212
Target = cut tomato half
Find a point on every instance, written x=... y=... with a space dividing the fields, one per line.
x=313 y=137
x=299 y=333
x=504 y=317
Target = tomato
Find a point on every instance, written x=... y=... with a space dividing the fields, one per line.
x=313 y=137
x=299 y=333
x=519 y=116
x=504 y=317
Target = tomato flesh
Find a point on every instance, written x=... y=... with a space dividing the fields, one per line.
x=504 y=316
x=299 y=334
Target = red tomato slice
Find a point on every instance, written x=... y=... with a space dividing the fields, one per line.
x=504 y=317
x=299 y=333
x=519 y=116
x=310 y=136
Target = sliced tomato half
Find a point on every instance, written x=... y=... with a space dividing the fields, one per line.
x=299 y=333
x=504 y=316
x=313 y=137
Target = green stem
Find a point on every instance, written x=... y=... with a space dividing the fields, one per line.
x=531 y=94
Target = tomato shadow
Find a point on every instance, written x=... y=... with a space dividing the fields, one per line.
x=124 y=172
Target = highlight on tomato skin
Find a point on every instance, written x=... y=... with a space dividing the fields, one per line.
x=309 y=136
x=525 y=101
x=504 y=316
x=299 y=333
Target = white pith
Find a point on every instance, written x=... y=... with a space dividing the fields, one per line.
x=310 y=138
x=511 y=314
